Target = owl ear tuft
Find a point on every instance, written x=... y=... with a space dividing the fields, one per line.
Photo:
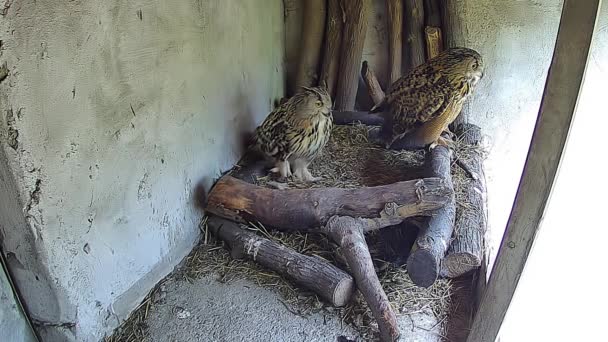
x=323 y=84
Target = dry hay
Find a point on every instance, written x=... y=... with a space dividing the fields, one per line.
x=350 y=160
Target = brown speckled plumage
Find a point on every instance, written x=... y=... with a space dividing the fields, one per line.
x=429 y=98
x=296 y=131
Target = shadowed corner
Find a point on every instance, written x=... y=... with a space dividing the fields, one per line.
x=200 y=194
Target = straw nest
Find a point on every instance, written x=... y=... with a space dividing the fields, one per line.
x=349 y=160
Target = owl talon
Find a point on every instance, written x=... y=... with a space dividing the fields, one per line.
x=304 y=175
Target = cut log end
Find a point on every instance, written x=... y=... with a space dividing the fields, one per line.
x=423 y=267
x=343 y=292
x=455 y=265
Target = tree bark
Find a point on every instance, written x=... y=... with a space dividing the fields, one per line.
x=414 y=30
x=395 y=39
x=454 y=36
x=373 y=86
x=466 y=249
x=313 y=28
x=424 y=262
x=349 y=234
x=333 y=42
x=313 y=273
x=355 y=27
x=307 y=209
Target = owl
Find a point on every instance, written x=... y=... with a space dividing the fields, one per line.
x=423 y=103
x=296 y=131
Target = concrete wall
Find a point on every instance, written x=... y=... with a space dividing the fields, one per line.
x=516 y=39
x=111 y=114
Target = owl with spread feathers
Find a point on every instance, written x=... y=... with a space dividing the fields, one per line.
x=296 y=131
x=423 y=103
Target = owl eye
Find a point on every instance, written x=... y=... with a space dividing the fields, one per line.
x=319 y=104
x=475 y=66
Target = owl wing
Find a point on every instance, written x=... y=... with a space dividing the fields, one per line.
x=414 y=100
x=271 y=135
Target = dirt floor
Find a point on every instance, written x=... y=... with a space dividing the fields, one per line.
x=209 y=310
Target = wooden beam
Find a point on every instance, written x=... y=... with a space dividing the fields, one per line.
x=557 y=109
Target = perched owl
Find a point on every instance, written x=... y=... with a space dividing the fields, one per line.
x=423 y=103
x=296 y=131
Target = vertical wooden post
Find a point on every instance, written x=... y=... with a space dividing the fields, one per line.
x=453 y=36
x=355 y=27
x=432 y=31
x=333 y=43
x=313 y=28
x=557 y=109
x=414 y=31
x=395 y=39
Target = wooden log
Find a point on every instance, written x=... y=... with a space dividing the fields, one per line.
x=395 y=39
x=432 y=31
x=373 y=86
x=452 y=28
x=466 y=249
x=333 y=42
x=349 y=234
x=414 y=30
x=453 y=35
x=305 y=209
x=313 y=273
x=424 y=262
x=313 y=28
x=352 y=117
x=356 y=14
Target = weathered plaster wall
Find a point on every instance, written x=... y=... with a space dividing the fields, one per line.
x=112 y=113
x=516 y=39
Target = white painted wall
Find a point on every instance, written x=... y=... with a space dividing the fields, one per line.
x=561 y=295
x=122 y=108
